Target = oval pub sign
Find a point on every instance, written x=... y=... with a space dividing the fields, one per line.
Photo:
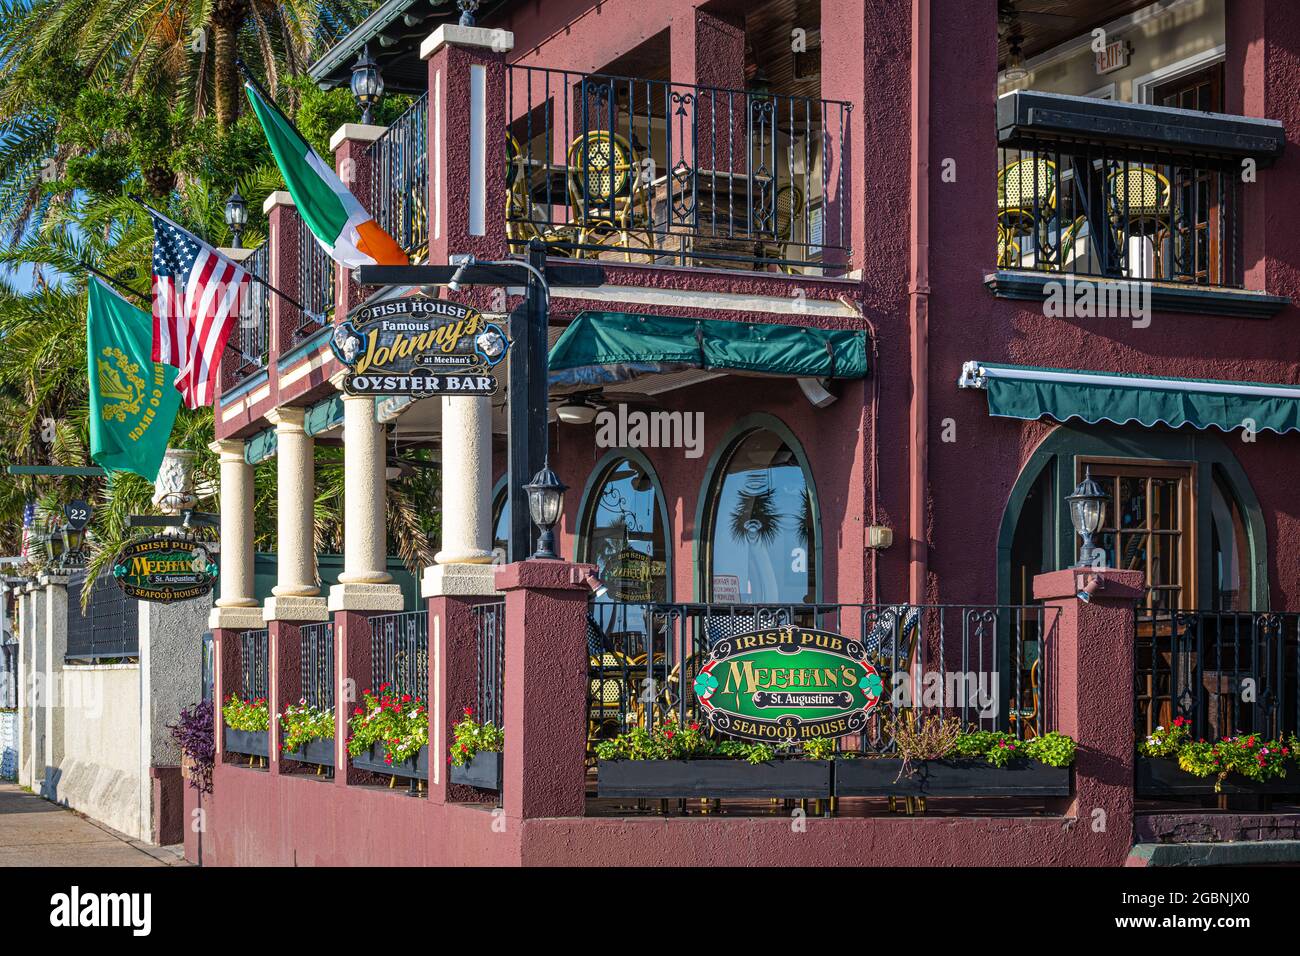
x=788 y=684
x=164 y=569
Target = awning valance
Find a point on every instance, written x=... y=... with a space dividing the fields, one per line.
x=601 y=348
x=1023 y=391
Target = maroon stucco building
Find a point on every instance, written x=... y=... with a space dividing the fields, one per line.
x=899 y=422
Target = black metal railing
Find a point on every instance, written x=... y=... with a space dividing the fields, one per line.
x=399 y=178
x=316 y=271
x=1227 y=672
x=253 y=670
x=399 y=652
x=1102 y=210
x=109 y=628
x=984 y=665
x=252 y=338
x=316 y=643
x=652 y=171
x=490 y=636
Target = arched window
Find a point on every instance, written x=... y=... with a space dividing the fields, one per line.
x=501 y=521
x=624 y=533
x=761 y=528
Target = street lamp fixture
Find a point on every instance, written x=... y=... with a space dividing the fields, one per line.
x=74 y=542
x=545 y=502
x=1087 y=511
x=467 y=10
x=54 y=548
x=236 y=218
x=367 y=84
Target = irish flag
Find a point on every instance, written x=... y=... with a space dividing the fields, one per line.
x=346 y=231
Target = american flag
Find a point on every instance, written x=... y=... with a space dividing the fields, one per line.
x=29 y=526
x=196 y=296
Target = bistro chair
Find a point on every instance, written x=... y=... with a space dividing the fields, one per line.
x=606 y=192
x=1027 y=717
x=1027 y=197
x=1138 y=197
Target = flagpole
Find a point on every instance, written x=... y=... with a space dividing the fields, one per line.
x=120 y=286
x=256 y=278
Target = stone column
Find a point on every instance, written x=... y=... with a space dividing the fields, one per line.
x=365 y=584
x=544 y=772
x=39 y=689
x=467 y=142
x=26 y=674
x=1088 y=679
x=55 y=637
x=296 y=595
x=236 y=608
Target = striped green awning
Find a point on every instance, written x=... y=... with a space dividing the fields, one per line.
x=1029 y=392
x=600 y=348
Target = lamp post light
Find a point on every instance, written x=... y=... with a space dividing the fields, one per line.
x=74 y=542
x=54 y=548
x=367 y=84
x=1087 y=511
x=236 y=218
x=467 y=10
x=545 y=502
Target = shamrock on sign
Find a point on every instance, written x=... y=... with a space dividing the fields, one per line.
x=705 y=685
x=871 y=684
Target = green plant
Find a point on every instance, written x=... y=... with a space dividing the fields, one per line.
x=996 y=747
x=302 y=724
x=1248 y=755
x=669 y=740
x=1054 y=749
x=247 y=715
x=1166 y=742
x=473 y=737
x=399 y=722
x=932 y=737
x=818 y=748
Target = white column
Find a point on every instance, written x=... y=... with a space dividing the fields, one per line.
x=365 y=584
x=55 y=636
x=39 y=689
x=236 y=608
x=26 y=673
x=464 y=561
x=296 y=595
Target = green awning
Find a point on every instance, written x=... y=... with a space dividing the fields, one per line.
x=1029 y=392
x=601 y=348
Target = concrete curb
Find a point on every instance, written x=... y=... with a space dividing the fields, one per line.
x=1215 y=854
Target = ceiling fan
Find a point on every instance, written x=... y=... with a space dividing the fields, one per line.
x=1014 y=14
x=580 y=408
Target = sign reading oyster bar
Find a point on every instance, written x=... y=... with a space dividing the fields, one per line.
x=419 y=346
x=788 y=683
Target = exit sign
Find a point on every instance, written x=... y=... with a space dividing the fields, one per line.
x=1113 y=57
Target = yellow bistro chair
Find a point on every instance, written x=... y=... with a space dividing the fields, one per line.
x=607 y=192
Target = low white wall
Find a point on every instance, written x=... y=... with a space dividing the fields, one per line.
x=9 y=744
x=100 y=770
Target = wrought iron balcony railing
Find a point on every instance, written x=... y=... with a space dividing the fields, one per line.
x=652 y=171
x=316 y=273
x=252 y=338
x=399 y=178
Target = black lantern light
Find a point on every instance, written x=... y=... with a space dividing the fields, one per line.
x=545 y=502
x=1087 y=511
x=236 y=217
x=367 y=84
x=74 y=542
x=467 y=10
x=54 y=548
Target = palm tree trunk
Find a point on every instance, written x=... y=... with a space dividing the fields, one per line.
x=227 y=20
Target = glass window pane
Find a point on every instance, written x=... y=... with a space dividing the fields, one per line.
x=1133 y=552
x=625 y=537
x=764 y=542
x=1165 y=560
x=1133 y=502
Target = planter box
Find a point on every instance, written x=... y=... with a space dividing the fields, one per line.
x=251 y=743
x=1162 y=777
x=970 y=777
x=373 y=761
x=790 y=779
x=483 y=771
x=319 y=752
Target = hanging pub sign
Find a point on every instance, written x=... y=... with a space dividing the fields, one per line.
x=419 y=346
x=164 y=568
x=788 y=684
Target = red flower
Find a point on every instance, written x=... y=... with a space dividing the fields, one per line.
x=357 y=712
x=406 y=698
x=695 y=726
x=668 y=734
x=469 y=711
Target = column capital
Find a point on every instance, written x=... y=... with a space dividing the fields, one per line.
x=453 y=34
x=54 y=580
x=356 y=132
x=278 y=198
x=229 y=449
x=288 y=419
